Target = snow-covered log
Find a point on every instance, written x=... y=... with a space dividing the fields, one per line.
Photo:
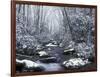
x=51 y=45
x=69 y=51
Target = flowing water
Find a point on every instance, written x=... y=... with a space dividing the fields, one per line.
x=51 y=66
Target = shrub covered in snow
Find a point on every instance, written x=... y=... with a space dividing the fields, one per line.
x=26 y=41
x=84 y=51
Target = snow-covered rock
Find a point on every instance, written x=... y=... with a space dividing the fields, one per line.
x=75 y=62
x=30 y=65
x=42 y=54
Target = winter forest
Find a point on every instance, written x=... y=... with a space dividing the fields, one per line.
x=54 y=38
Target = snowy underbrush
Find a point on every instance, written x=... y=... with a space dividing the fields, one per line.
x=85 y=51
x=82 y=50
x=26 y=42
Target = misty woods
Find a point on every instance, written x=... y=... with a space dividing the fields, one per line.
x=64 y=33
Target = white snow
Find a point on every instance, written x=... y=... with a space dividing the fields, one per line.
x=19 y=61
x=28 y=63
x=76 y=62
x=42 y=53
x=69 y=50
x=52 y=45
x=64 y=62
x=24 y=46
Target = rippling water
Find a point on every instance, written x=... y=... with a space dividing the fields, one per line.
x=51 y=66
